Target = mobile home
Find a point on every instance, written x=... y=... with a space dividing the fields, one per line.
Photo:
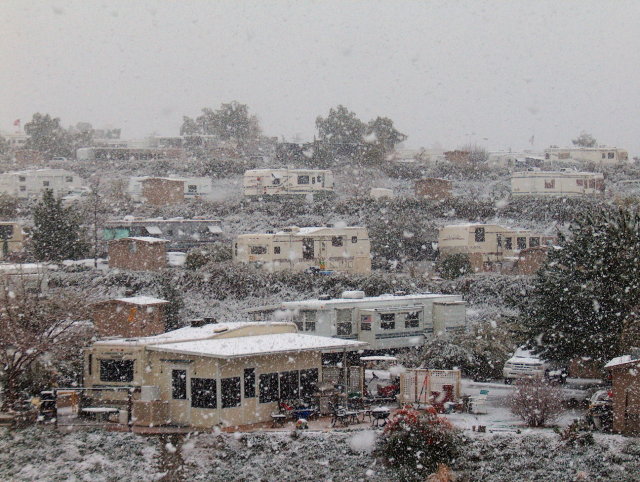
x=487 y=245
x=384 y=322
x=11 y=238
x=335 y=249
x=598 y=155
x=32 y=182
x=213 y=375
x=181 y=233
x=283 y=182
x=557 y=183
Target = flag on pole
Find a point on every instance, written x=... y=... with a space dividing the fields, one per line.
x=16 y=122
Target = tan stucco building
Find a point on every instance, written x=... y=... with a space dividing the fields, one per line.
x=214 y=375
x=139 y=253
x=337 y=249
x=160 y=191
x=129 y=317
x=433 y=188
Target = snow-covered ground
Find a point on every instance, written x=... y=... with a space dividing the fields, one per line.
x=44 y=454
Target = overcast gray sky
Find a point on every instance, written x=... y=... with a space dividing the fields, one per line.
x=493 y=72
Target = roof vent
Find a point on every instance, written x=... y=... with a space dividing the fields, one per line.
x=220 y=329
x=353 y=295
x=209 y=320
x=324 y=297
x=400 y=293
x=197 y=322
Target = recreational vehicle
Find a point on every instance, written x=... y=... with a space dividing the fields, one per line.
x=598 y=155
x=487 y=244
x=557 y=183
x=207 y=376
x=320 y=248
x=285 y=182
x=384 y=322
x=31 y=183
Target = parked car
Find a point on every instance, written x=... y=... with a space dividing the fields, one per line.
x=600 y=412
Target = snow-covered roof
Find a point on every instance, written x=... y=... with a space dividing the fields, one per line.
x=621 y=360
x=188 y=333
x=146 y=239
x=142 y=300
x=382 y=299
x=257 y=345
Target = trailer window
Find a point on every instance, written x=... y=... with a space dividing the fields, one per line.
x=336 y=241
x=116 y=370
x=344 y=326
x=249 y=382
x=549 y=183
x=387 y=321
x=258 y=249
x=522 y=243
x=611 y=155
x=276 y=250
x=412 y=320
x=276 y=181
x=203 y=393
x=479 y=235
x=365 y=323
x=354 y=239
x=230 y=392
x=303 y=179
x=579 y=182
x=534 y=242
x=179 y=384
x=192 y=189
x=268 y=387
x=508 y=243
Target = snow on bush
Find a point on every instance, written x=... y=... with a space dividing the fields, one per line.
x=416 y=442
x=536 y=401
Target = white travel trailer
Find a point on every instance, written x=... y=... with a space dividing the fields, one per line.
x=31 y=183
x=384 y=322
x=286 y=182
x=598 y=155
x=323 y=248
x=557 y=183
x=194 y=187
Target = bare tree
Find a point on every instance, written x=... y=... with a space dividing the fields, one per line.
x=35 y=325
x=536 y=401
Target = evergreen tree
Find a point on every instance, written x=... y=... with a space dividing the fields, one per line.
x=56 y=234
x=170 y=293
x=584 y=301
x=47 y=135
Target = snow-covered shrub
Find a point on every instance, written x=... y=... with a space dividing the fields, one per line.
x=577 y=433
x=536 y=401
x=415 y=443
x=214 y=253
x=454 y=266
